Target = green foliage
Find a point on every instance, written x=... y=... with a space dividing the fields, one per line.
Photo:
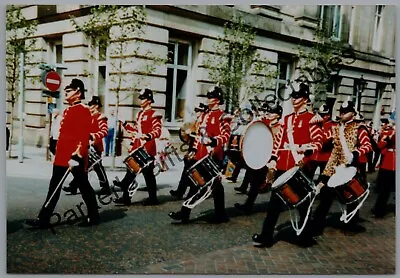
x=119 y=29
x=19 y=31
x=318 y=63
x=236 y=64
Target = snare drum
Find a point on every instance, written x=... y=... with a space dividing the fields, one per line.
x=138 y=160
x=203 y=172
x=347 y=184
x=293 y=187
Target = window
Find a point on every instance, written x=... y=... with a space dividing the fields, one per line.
x=281 y=81
x=378 y=28
x=101 y=75
x=333 y=85
x=46 y=10
x=179 y=63
x=352 y=23
x=331 y=18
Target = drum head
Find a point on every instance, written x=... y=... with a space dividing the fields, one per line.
x=342 y=175
x=257 y=145
x=198 y=162
x=282 y=179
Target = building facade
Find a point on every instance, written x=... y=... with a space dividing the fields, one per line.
x=186 y=34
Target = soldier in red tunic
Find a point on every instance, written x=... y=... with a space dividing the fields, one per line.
x=301 y=137
x=98 y=132
x=386 y=180
x=320 y=158
x=350 y=142
x=146 y=129
x=363 y=159
x=215 y=131
x=73 y=142
x=258 y=177
x=188 y=158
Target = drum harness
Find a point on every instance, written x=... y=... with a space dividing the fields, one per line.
x=346 y=217
x=297 y=157
x=137 y=136
x=198 y=200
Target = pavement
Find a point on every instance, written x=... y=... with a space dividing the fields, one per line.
x=144 y=240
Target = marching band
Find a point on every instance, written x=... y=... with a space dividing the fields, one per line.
x=291 y=148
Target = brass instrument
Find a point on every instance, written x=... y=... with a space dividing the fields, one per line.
x=188 y=130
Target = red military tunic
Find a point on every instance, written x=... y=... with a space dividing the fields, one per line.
x=325 y=153
x=305 y=132
x=74 y=130
x=214 y=125
x=99 y=130
x=387 y=145
x=148 y=122
x=363 y=158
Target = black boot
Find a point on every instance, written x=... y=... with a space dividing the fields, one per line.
x=36 y=223
x=176 y=194
x=124 y=200
x=243 y=208
x=105 y=190
x=240 y=190
x=70 y=189
x=179 y=216
x=262 y=242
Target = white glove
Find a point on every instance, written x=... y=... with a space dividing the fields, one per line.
x=350 y=158
x=271 y=164
x=73 y=163
x=121 y=119
x=318 y=188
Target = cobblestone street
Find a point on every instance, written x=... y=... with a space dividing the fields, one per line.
x=140 y=240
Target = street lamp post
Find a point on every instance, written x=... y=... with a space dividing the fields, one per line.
x=21 y=108
x=361 y=84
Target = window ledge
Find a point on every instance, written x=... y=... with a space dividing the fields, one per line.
x=173 y=125
x=307 y=22
x=267 y=11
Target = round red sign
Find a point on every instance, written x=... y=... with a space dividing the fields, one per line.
x=52 y=81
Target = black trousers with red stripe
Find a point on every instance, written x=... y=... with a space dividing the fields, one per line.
x=274 y=209
x=88 y=194
x=386 y=183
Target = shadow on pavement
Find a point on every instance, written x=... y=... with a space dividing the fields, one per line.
x=14 y=226
x=288 y=235
x=159 y=186
x=105 y=216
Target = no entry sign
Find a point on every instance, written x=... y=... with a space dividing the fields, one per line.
x=52 y=81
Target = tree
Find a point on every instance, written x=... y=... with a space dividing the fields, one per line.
x=19 y=31
x=237 y=65
x=320 y=64
x=119 y=29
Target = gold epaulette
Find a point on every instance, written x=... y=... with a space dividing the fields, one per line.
x=102 y=116
x=317 y=119
x=226 y=117
x=157 y=115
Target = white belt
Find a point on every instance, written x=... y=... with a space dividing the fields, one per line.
x=286 y=146
x=391 y=150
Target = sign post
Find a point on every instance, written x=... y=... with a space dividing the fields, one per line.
x=52 y=81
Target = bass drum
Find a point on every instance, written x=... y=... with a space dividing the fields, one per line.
x=256 y=145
